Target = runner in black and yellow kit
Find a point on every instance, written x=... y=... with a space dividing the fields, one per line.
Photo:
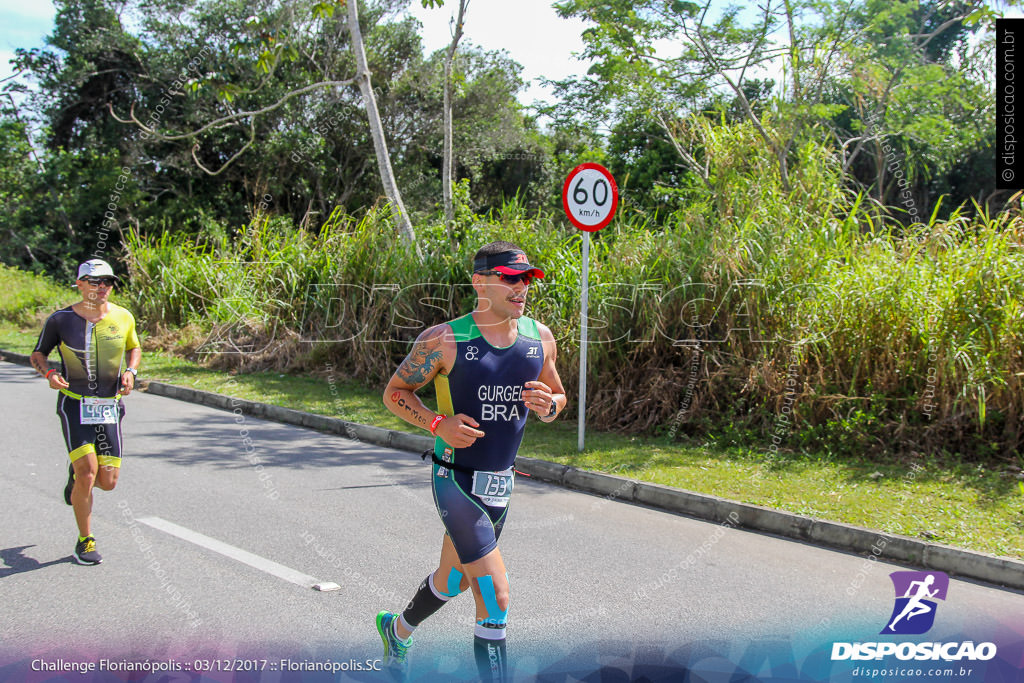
x=489 y=368
x=93 y=336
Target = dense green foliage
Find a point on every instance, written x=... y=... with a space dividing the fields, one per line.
x=810 y=254
x=192 y=63
x=800 y=300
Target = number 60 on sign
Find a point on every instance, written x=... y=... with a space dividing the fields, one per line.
x=590 y=197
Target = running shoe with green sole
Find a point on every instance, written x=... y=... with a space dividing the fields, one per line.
x=85 y=552
x=394 y=649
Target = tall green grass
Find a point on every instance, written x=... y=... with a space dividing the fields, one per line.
x=900 y=339
x=29 y=297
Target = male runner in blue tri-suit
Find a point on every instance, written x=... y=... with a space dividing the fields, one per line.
x=489 y=368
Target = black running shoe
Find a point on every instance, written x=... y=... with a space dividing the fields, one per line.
x=70 y=485
x=85 y=552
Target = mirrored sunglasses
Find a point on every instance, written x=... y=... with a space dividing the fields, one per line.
x=525 y=278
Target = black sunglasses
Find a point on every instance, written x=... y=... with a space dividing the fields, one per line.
x=97 y=281
x=525 y=278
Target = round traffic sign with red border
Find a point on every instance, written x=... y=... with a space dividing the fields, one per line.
x=590 y=197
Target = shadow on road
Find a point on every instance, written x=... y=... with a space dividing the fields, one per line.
x=220 y=441
x=424 y=484
x=19 y=563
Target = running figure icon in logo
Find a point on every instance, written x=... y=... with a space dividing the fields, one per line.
x=913 y=612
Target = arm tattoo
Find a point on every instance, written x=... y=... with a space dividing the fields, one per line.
x=415 y=414
x=420 y=362
x=41 y=366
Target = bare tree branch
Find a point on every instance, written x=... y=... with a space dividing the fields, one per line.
x=748 y=111
x=39 y=164
x=247 y=145
x=691 y=162
x=225 y=120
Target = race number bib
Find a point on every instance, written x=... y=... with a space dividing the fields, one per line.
x=97 y=411
x=493 y=488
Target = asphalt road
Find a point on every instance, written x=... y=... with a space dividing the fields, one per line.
x=210 y=546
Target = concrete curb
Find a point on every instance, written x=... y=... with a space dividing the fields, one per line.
x=966 y=564
x=22 y=359
x=321 y=423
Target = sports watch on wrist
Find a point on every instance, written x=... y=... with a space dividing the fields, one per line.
x=134 y=371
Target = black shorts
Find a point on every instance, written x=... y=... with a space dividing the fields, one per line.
x=473 y=525
x=103 y=440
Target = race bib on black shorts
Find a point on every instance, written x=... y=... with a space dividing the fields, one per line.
x=493 y=488
x=97 y=411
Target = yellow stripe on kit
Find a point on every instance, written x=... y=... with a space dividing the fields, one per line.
x=82 y=451
x=79 y=397
x=108 y=461
x=444 y=395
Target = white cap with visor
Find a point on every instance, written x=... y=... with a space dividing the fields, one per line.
x=95 y=268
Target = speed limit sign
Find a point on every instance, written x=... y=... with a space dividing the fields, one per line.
x=590 y=197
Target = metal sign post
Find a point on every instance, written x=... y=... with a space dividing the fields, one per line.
x=584 y=299
x=589 y=197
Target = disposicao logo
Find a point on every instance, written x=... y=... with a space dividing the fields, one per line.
x=913 y=614
x=916 y=592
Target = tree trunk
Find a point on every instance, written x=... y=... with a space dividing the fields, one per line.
x=446 y=170
x=387 y=175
